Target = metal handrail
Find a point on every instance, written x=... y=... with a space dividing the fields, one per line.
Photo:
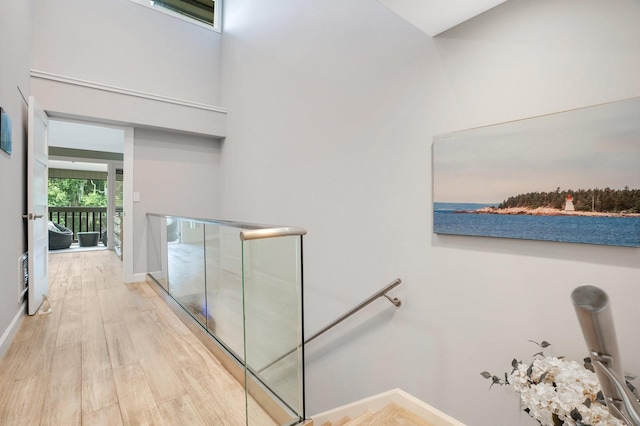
x=284 y=231
x=382 y=293
x=249 y=231
x=596 y=321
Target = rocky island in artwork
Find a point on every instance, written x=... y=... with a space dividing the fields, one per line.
x=592 y=203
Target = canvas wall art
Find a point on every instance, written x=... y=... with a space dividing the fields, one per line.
x=570 y=177
x=5 y=131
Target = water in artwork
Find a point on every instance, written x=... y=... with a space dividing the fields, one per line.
x=615 y=231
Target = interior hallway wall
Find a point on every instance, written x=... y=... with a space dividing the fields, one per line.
x=175 y=174
x=86 y=54
x=334 y=106
x=129 y=46
x=117 y=43
x=15 y=54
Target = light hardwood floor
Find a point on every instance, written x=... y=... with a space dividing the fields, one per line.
x=112 y=354
x=390 y=415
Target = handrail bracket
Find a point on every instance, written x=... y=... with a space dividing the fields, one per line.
x=396 y=302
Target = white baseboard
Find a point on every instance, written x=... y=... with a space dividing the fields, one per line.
x=159 y=275
x=7 y=336
x=137 y=278
x=377 y=402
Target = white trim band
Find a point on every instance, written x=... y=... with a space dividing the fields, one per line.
x=9 y=333
x=122 y=91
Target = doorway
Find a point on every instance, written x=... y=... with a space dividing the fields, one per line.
x=91 y=156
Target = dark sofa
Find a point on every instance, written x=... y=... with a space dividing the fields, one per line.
x=59 y=237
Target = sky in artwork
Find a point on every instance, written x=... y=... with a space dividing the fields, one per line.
x=595 y=147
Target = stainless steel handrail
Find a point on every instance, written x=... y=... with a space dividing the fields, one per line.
x=258 y=234
x=382 y=293
x=595 y=318
x=249 y=231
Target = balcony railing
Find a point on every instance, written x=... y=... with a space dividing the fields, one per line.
x=81 y=219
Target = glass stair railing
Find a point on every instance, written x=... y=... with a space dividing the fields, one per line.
x=241 y=285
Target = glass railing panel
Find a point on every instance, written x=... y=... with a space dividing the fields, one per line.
x=157 y=250
x=243 y=284
x=186 y=266
x=272 y=290
x=224 y=286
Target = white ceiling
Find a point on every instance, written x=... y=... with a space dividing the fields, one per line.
x=77 y=165
x=66 y=134
x=435 y=16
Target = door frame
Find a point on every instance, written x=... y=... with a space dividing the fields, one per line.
x=127 y=167
x=127 y=252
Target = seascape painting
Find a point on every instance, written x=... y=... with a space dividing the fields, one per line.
x=569 y=177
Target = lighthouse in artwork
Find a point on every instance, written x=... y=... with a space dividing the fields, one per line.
x=568 y=205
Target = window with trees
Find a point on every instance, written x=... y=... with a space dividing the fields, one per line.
x=77 y=192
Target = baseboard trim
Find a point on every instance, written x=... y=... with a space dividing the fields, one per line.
x=137 y=278
x=377 y=402
x=7 y=336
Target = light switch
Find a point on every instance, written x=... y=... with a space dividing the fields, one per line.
x=136 y=197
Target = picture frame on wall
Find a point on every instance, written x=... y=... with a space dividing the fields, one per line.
x=571 y=177
x=5 y=132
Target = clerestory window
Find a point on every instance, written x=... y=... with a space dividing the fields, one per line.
x=203 y=12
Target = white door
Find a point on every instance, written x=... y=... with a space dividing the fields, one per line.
x=37 y=202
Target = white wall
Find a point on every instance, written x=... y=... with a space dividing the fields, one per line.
x=15 y=51
x=120 y=45
x=334 y=106
x=175 y=174
x=117 y=62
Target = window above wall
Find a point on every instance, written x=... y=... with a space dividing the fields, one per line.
x=206 y=13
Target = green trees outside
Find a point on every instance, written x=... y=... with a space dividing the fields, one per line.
x=77 y=192
x=599 y=200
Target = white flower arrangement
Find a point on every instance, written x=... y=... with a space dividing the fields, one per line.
x=558 y=392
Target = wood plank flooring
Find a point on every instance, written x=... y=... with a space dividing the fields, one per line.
x=390 y=415
x=112 y=354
